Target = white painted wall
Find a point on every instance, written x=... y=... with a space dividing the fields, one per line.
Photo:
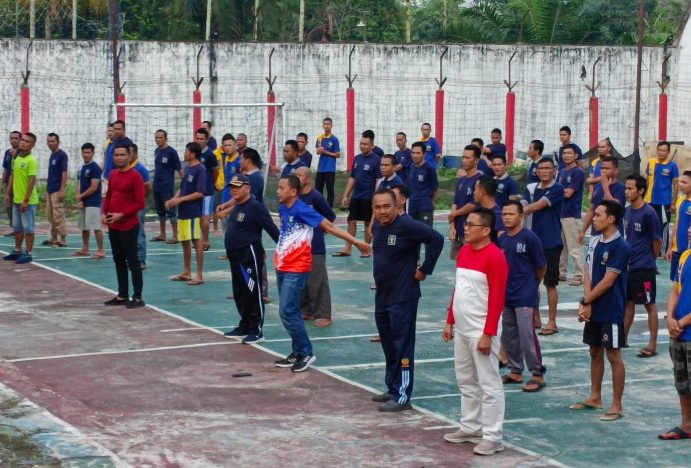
x=71 y=89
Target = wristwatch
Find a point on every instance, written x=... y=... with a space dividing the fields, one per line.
x=582 y=302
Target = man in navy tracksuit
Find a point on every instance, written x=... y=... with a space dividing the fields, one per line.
x=395 y=244
x=246 y=256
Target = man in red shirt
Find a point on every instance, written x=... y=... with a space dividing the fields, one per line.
x=476 y=305
x=120 y=211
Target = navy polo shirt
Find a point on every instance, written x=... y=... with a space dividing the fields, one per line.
x=245 y=225
x=57 y=164
x=193 y=181
x=87 y=173
x=405 y=159
x=366 y=172
x=531 y=173
x=465 y=193
x=319 y=204
x=256 y=185
x=378 y=151
x=306 y=158
x=166 y=164
x=618 y=191
x=546 y=223
x=289 y=169
x=7 y=166
x=506 y=188
x=390 y=183
x=499 y=150
x=422 y=181
x=525 y=255
x=642 y=228
x=574 y=179
x=210 y=162
x=483 y=167
x=603 y=256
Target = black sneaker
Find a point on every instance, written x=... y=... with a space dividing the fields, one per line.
x=12 y=257
x=116 y=301
x=303 y=363
x=254 y=338
x=135 y=303
x=287 y=362
x=381 y=398
x=235 y=333
x=392 y=406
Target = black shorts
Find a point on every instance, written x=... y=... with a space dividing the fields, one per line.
x=426 y=217
x=160 y=199
x=642 y=286
x=604 y=335
x=552 y=274
x=680 y=352
x=360 y=210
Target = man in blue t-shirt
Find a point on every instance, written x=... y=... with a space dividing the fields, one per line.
x=119 y=139
x=423 y=184
x=166 y=165
x=89 y=203
x=663 y=184
x=679 y=328
x=7 y=159
x=565 y=139
x=572 y=178
x=463 y=200
x=609 y=188
x=210 y=163
x=535 y=149
x=189 y=200
x=361 y=185
x=212 y=143
x=304 y=155
x=375 y=149
x=507 y=187
x=484 y=195
x=403 y=157
x=396 y=241
x=602 y=308
x=291 y=158
x=496 y=147
x=544 y=200
x=329 y=150
x=55 y=192
x=644 y=237
x=315 y=303
x=527 y=266
x=250 y=166
x=432 y=149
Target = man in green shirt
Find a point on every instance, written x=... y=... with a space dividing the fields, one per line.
x=21 y=187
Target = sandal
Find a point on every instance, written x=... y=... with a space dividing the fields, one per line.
x=537 y=385
x=674 y=434
x=548 y=332
x=507 y=380
x=341 y=254
x=646 y=353
x=584 y=405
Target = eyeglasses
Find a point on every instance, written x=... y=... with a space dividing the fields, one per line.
x=467 y=224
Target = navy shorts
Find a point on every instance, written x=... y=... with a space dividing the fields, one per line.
x=642 y=286
x=360 y=210
x=604 y=335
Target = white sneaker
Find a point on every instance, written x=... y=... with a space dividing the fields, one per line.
x=488 y=448
x=461 y=436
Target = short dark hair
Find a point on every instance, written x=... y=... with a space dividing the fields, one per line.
x=665 y=143
x=194 y=148
x=613 y=208
x=426 y=123
x=474 y=149
x=383 y=191
x=111 y=124
x=499 y=156
x=515 y=203
x=538 y=145
x=686 y=173
x=546 y=159
x=16 y=132
x=402 y=133
x=570 y=146
x=565 y=129
x=328 y=119
x=495 y=130
x=293 y=182
x=478 y=140
x=293 y=144
x=122 y=146
x=641 y=182
x=486 y=215
x=253 y=156
x=160 y=130
x=303 y=135
x=390 y=157
x=88 y=146
x=132 y=147
x=31 y=135
x=488 y=184
x=611 y=159
x=404 y=190
x=54 y=135
x=202 y=131
x=368 y=134
x=208 y=122
x=121 y=122
x=227 y=136
x=418 y=144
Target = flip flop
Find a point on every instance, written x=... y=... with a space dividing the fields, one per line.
x=194 y=283
x=365 y=256
x=548 y=332
x=79 y=253
x=608 y=417
x=538 y=386
x=180 y=278
x=171 y=241
x=674 y=434
x=98 y=256
x=507 y=380
x=375 y=339
x=60 y=244
x=206 y=247
x=157 y=239
x=646 y=353
x=321 y=323
x=48 y=242
x=584 y=406
x=341 y=254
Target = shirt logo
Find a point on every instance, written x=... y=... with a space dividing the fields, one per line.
x=568 y=180
x=241 y=217
x=428 y=147
x=665 y=172
x=366 y=168
x=53 y=162
x=190 y=178
x=420 y=178
x=87 y=172
x=164 y=160
x=500 y=188
x=637 y=227
x=605 y=256
x=330 y=144
x=391 y=240
x=520 y=248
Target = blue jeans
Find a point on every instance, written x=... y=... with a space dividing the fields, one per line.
x=290 y=287
x=23 y=221
x=141 y=238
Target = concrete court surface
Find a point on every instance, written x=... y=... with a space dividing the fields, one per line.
x=97 y=386
x=326 y=417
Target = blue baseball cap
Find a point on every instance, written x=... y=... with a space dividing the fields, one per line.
x=238 y=180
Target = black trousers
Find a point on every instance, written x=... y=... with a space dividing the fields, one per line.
x=246 y=266
x=328 y=179
x=124 y=247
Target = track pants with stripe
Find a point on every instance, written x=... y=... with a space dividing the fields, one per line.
x=246 y=269
x=396 y=326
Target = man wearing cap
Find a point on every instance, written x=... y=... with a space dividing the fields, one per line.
x=246 y=254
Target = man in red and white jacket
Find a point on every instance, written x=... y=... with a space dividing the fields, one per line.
x=476 y=307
